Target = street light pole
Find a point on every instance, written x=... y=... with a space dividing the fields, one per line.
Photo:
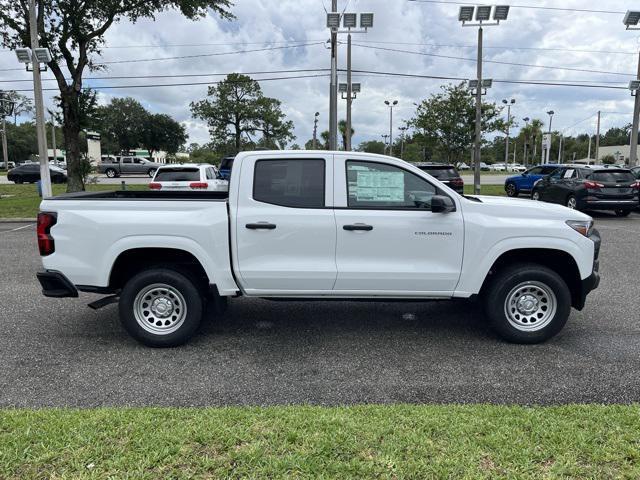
x=478 y=138
x=53 y=139
x=402 y=130
x=347 y=145
x=633 y=155
x=385 y=137
x=526 y=123
x=506 y=152
x=598 y=140
x=45 y=176
x=333 y=93
x=548 y=147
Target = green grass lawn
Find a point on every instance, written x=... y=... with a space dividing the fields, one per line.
x=22 y=201
x=416 y=442
x=485 y=189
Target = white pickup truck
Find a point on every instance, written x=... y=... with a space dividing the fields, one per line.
x=317 y=225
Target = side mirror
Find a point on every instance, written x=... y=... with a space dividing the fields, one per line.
x=442 y=204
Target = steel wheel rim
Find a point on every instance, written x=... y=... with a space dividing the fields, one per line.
x=160 y=309
x=571 y=203
x=530 y=306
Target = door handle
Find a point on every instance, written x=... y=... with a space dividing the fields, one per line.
x=358 y=226
x=261 y=226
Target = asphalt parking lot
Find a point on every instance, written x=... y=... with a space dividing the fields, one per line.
x=61 y=353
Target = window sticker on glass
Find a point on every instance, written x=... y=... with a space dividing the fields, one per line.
x=569 y=173
x=379 y=186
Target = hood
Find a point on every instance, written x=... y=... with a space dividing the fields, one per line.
x=520 y=207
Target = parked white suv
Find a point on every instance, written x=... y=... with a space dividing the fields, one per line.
x=189 y=177
x=317 y=225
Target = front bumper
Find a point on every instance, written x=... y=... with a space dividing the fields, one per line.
x=55 y=284
x=592 y=282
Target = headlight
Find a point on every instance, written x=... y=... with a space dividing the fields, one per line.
x=583 y=227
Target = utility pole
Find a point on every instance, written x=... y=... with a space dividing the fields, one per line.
x=347 y=134
x=315 y=131
x=526 y=129
x=333 y=93
x=633 y=154
x=589 y=150
x=478 y=140
x=385 y=137
x=45 y=175
x=598 y=140
x=6 y=108
x=560 y=150
x=402 y=130
x=548 y=147
x=53 y=139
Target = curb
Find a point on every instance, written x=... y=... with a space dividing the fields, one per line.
x=18 y=220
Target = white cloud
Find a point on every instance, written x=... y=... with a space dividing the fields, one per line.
x=267 y=22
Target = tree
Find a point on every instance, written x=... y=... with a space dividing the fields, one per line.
x=161 y=132
x=236 y=110
x=372 y=146
x=120 y=124
x=74 y=33
x=342 y=128
x=21 y=104
x=445 y=122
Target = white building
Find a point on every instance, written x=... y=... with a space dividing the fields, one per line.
x=620 y=152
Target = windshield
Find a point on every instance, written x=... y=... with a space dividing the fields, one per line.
x=616 y=176
x=177 y=175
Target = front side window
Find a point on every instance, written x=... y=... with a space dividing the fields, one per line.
x=290 y=183
x=379 y=185
x=126 y=160
x=535 y=171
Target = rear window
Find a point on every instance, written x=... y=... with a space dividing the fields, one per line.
x=226 y=164
x=178 y=175
x=289 y=183
x=441 y=173
x=619 y=176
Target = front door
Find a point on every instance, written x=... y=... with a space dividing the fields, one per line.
x=389 y=241
x=285 y=230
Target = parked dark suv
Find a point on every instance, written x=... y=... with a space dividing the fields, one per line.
x=447 y=174
x=590 y=189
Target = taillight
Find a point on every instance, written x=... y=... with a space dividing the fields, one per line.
x=155 y=186
x=592 y=185
x=198 y=185
x=457 y=182
x=636 y=186
x=46 y=220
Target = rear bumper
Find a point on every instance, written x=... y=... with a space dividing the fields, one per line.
x=610 y=204
x=55 y=284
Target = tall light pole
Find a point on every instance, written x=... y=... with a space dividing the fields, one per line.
x=598 y=139
x=315 y=131
x=631 y=20
x=349 y=22
x=482 y=15
x=547 y=145
x=35 y=56
x=526 y=125
x=333 y=22
x=385 y=137
x=402 y=130
x=508 y=103
x=391 y=104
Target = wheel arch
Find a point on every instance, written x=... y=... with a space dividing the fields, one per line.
x=559 y=261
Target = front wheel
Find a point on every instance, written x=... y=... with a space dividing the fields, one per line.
x=161 y=307
x=527 y=303
x=622 y=213
x=572 y=203
x=535 y=195
x=151 y=172
x=512 y=190
x=110 y=172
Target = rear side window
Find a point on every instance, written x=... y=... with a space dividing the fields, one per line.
x=226 y=163
x=619 y=176
x=441 y=173
x=178 y=175
x=548 y=170
x=290 y=183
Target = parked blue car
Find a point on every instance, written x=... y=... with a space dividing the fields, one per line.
x=524 y=182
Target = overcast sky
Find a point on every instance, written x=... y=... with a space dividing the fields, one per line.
x=531 y=36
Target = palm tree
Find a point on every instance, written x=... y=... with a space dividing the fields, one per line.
x=535 y=132
x=342 y=128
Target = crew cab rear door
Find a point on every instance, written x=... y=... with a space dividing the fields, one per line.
x=285 y=230
x=389 y=242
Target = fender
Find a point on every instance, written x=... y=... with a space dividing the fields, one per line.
x=474 y=273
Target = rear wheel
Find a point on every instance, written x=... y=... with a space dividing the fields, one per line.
x=527 y=303
x=18 y=181
x=161 y=307
x=622 y=213
x=512 y=190
x=571 y=203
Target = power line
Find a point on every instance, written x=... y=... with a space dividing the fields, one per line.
x=499 y=62
x=532 y=7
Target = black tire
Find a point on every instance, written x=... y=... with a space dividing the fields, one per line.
x=18 y=181
x=186 y=321
x=535 y=192
x=622 y=213
x=512 y=190
x=151 y=172
x=528 y=276
x=111 y=173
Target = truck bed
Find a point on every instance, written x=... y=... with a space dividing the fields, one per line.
x=144 y=195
